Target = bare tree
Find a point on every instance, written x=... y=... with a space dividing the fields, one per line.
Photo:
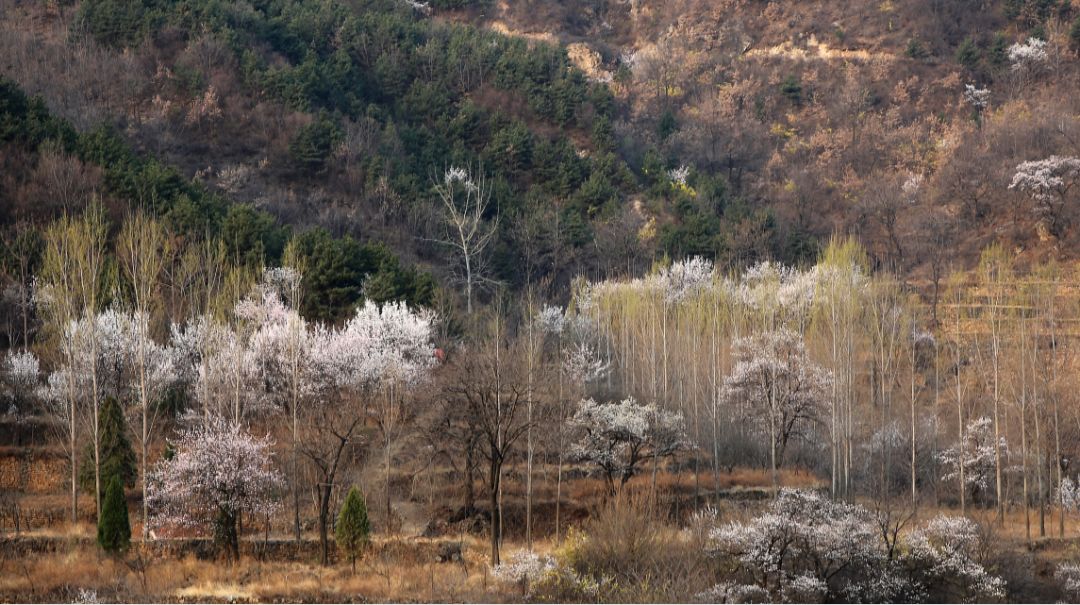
x=490 y=383
x=465 y=198
x=69 y=284
x=142 y=250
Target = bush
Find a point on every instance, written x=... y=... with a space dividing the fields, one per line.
x=114 y=530
x=791 y=87
x=625 y=552
x=915 y=49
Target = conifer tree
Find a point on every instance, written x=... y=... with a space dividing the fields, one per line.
x=114 y=530
x=117 y=455
x=353 y=527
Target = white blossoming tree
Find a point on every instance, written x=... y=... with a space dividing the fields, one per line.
x=580 y=363
x=281 y=346
x=978 y=98
x=219 y=471
x=377 y=355
x=524 y=568
x=20 y=373
x=1027 y=56
x=620 y=435
x=806 y=548
x=200 y=344
x=780 y=389
x=1068 y=574
x=976 y=454
x=465 y=198
x=113 y=354
x=1048 y=182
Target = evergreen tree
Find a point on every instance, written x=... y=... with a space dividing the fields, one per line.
x=117 y=455
x=968 y=53
x=114 y=530
x=314 y=143
x=353 y=527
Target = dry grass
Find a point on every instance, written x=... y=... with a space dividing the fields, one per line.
x=1014 y=529
x=399 y=569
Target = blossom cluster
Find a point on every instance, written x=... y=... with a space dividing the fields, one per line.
x=219 y=468
x=808 y=548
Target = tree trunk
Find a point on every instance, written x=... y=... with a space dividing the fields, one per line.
x=495 y=484
x=470 y=491
x=324 y=522
x=74 y=470
x=226 y=535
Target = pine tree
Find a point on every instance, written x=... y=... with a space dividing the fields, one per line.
x=353 y=527
x=117 y=455
x=114 y=530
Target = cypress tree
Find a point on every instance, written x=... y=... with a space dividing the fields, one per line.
x=114 y=530
x=353 y=527
x=117 y=455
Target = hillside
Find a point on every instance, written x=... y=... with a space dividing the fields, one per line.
x=539 y=300
x=840 y=116
x=793 y=120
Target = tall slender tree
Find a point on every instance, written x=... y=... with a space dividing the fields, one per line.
x=143 y=249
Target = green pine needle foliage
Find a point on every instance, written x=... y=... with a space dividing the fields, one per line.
x=353 y=528
x=114 y=529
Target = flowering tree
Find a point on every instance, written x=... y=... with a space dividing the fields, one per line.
x=67 y=289
x=775 y=382
x=465 y=198
x=380 y=352
x=1068 y=574
x=808 y=548
x=618 y=436
x=683 y=279
x=20 y=373
x=281 y=347
x=524 y=568
x=942 y=560
x=218 y=472
x=976 y=454
x=1027 y=56
x=202 y=345
x=1048 y=182
x=113 y=354
x=572 y=336
x=978 y=98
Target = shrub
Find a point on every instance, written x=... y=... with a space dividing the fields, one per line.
x=626 y=552
x=915 y=49
x=791 y=87
x=808 y=548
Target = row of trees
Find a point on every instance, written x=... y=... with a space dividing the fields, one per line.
x=856 y=375
x=226 y=351
x=830 y=368
x=234 y=350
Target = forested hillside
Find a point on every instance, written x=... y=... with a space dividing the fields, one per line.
x=539 y=300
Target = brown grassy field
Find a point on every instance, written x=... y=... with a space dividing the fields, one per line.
x=61 y=562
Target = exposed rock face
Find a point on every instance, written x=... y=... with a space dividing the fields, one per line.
x=589 y=61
